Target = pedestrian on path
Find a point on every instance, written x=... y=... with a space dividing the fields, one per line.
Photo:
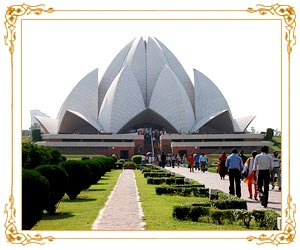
x=191 y=162
x=263 y=165
x=222 y=170
x=248 y=172
x=234 y=163
x=203 y=162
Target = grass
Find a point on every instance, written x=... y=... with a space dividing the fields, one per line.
x=158 y=210
x=80 y=214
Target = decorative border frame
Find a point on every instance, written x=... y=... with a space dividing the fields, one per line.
x=14 y=12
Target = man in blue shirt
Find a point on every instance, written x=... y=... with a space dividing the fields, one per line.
x=234 y=163
x=197 y=161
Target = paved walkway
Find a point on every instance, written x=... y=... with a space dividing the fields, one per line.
x=123 y=209
x=213 y=181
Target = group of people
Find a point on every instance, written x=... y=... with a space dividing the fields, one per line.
x=259 y=171
x=197 y=162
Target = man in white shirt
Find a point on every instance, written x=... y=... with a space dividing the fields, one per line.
x=263 y=166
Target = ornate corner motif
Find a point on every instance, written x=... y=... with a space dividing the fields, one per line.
x=289 y=232
x=11 y=232
x=11 y=17
x=289 y=17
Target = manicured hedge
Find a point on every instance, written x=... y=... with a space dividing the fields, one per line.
x=183 y=191
x=79 y=177
x=35 y=194
x=227 y=201
x=58 y=182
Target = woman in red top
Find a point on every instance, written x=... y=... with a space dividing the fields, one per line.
x=221 y=167
x=191 y=162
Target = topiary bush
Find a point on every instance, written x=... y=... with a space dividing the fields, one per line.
x=137 y=159
x=96 y=170
x=129 y=165
x=79 y=177
x=266 y=219
x=35 y=195
x=34 y=155
x=58 y=183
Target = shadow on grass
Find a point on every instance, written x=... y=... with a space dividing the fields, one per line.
x=96 y=189
x=80 y=199
x=101 y=183
x=58 y=216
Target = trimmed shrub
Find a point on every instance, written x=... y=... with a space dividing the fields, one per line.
x=220 y=215
x=266 y=219
x=182 y=211
x=129 y=165
x=35 y=194
x=58 y=182
x=34 y=155
x=227 y=201
x=79 y=177
x=107 y=163
x=198 y=211
x=96 y=170
x=191 y=211
x=182 y=190
x=137 y=159
x=160 y=173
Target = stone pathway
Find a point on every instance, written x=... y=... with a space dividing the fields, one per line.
x=123 y=209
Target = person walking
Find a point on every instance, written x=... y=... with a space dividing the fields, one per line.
x=191 y=162
x=184 y=160
x=197 y=161
x=163 y=159
x=244 y=157
x=276 y=170
x=222 y=170
x=203 y=162
x=234 y=163
x=249 y=180
x=263 y=166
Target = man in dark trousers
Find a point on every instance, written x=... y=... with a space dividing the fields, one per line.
x=234 y=164
x=163 y=159
x=262 y=168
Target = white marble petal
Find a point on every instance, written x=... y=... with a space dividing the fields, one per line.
x=122 y=102
x=170 y=100
x=83 y=99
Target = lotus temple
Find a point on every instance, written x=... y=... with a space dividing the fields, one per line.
x=145 y=101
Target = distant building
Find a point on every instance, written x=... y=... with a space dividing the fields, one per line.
x=145 y=86
x=33 y=120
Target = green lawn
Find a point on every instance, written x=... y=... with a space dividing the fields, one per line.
x=80 y=214
x=158 y=210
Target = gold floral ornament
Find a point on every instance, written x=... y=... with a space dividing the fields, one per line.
x=11 y=232
x=11 y=17
x=289 y=232
x=289 y=16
